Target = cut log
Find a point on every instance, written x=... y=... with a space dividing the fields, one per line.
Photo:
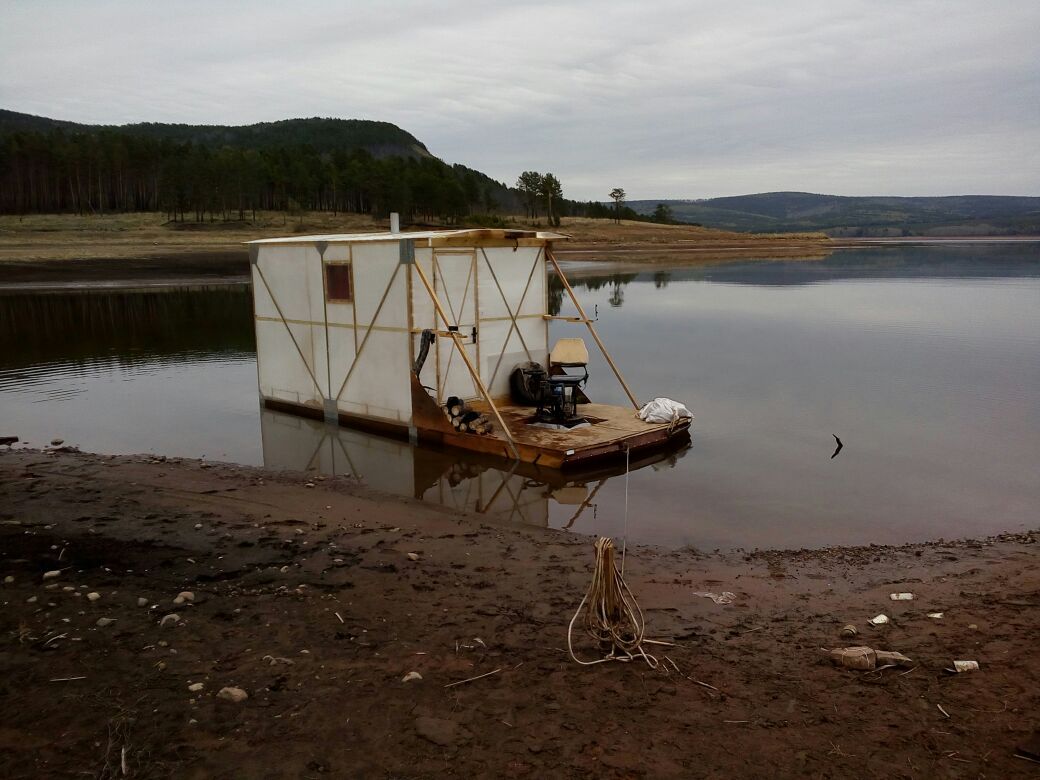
x=455 y=406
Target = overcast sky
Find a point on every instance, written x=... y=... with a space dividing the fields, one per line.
x=666 y=99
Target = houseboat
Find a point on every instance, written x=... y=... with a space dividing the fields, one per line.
x=438 y=337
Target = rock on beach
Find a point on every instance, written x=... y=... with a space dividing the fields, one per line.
x=232 y=694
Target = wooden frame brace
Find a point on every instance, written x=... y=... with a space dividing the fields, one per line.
x=469 y=364
x=585 y=318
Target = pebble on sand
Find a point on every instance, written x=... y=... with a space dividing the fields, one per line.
x=8 y=579
x=142 y=601
x=50 y=575
x=413 y=556
x=185 y=597
x=232 y=694
x=57 y=442
x=411 y=676
x=31 y=600
x=93 y=595
x=169 y=620
x=195 y=687
x=104 y=622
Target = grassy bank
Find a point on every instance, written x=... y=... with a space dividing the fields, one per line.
x=43 y=237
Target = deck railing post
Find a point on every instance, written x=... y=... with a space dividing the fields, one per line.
x=462 y=351
x=592 y=330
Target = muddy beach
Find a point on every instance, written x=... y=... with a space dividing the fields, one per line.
x=304 y=596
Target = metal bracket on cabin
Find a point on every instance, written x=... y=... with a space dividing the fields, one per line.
x=331 y=410
x=321 y=246
x=407 y=251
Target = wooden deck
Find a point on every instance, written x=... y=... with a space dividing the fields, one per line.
x=614 y=429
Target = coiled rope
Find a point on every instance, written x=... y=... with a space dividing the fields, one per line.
x=609 y=612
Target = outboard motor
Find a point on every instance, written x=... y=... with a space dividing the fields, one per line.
x=527 y=384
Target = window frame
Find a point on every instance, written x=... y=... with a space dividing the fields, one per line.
x=325 y=278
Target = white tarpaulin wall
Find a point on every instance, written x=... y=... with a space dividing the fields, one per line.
x=288 y=302
x=497 y=283
x=376 y=382
x=356 y=355
x=310 y=349
x=511 y=285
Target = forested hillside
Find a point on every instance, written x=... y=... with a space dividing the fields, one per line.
x=963 y=215
x=216 y=172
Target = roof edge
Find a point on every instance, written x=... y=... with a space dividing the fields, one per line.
x=477 y=234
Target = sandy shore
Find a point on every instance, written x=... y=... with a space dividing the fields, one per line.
x=305 y=598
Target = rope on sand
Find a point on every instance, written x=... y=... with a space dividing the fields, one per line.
x=609 y=612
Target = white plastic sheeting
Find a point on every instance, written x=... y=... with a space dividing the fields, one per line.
x=664 y=410
x=356 y=356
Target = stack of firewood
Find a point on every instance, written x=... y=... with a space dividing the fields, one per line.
x=466 y=420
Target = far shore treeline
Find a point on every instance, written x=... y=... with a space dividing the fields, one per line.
x=208 y=173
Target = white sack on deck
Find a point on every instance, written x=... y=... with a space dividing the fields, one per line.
x=664 y=410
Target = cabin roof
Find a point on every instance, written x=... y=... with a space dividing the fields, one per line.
x=477 y=235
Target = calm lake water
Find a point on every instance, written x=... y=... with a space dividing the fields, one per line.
x=925 y=361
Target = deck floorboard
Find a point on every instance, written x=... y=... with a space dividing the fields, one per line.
x=612 y=424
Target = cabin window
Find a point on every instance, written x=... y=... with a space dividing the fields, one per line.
x=339 y=283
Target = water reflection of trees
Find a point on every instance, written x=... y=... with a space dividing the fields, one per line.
x=129 y=326
x=616 y=283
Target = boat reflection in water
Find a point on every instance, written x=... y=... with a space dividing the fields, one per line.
x=459 y=480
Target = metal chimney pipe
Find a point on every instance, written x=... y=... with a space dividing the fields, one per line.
x=395 y=222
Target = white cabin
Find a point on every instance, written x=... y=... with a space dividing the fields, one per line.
x=339 y=319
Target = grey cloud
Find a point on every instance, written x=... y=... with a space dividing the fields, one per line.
x=674 y=99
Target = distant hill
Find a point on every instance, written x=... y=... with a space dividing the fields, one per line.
x=380 y=139
x=841 y=216
x=317 y=164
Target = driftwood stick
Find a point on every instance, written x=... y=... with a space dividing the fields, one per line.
x=704 y=684
x=471 y=679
